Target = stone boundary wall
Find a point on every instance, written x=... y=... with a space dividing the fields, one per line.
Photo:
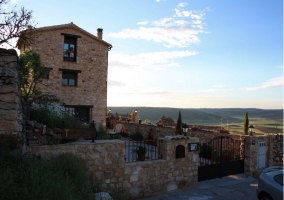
x=11 y=119
x=105 y=159
x=156 y=132
x=274 y=151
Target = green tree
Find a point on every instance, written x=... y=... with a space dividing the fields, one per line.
x=146 y=121
x=179 y=122
x=246 y=124
x=31 y=72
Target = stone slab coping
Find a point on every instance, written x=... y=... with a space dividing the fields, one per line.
x=145 y=162
x=178 y=137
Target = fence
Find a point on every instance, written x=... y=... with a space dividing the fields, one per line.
x=141 y=150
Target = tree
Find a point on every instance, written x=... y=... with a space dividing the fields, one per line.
x=31 y=72
x=246 y=124
x=13 y=24
x=179 y=122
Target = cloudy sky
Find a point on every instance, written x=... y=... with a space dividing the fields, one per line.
x=182 y=54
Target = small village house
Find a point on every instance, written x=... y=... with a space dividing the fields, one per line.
x=77 y=62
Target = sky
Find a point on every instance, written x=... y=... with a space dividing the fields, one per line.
x=182 y=54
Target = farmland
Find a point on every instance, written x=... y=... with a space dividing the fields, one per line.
x=264 y=121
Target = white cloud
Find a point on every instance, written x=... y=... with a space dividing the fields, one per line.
x=181 y=5
x=272 y=83
x=156 y=60
x=115 y=83
x=171 y=37
x=14 y=1
x=179 y=30
x=142 y=23
x=160 y=0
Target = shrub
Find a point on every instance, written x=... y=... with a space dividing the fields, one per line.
x=64 y=177
x=52 y=115
x=140 y=150
x=102 y=132
x=117 y=136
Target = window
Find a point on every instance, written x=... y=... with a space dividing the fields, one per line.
x=69 y=78
x=279 y=179
x=46 y=75
x=81 y=113
x=69 y=49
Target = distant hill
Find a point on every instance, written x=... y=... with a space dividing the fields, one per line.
x=252 y=112
x=202 y=116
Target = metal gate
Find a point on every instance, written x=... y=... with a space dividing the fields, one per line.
x=220 y=157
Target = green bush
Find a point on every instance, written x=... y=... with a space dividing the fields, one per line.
x=103 y=133
x=117 y=136
x=52 y=115
x=64 y=177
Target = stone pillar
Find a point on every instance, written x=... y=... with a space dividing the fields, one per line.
x=275 y=153
x=251 y=153
x=10 y=97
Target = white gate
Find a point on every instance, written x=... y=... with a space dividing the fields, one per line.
x=261 y=154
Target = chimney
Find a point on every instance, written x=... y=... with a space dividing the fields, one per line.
x=100 y=33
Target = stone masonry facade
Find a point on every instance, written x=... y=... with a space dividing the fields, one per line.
x=273 y=154
x=105 y=160
x=11 y=118
x=91 y=65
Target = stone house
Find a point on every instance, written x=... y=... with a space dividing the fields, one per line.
x=166 y=122
x=77 y=62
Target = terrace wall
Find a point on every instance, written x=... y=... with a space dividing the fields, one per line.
x=105 y=159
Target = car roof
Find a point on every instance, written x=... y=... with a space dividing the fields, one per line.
x=272 y=169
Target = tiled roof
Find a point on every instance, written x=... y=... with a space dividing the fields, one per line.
x=71 y=26
x=164 y=121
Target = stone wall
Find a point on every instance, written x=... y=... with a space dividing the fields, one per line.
x=275 y=154
x=156 y=132
x=105 y=159
x=11 y=118
x=274 y=151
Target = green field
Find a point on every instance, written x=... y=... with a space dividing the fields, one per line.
x=264 y=120
x=261 y=126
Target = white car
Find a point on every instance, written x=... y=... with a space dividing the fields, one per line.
x=270 y=184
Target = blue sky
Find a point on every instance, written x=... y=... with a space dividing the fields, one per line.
x=182 y=54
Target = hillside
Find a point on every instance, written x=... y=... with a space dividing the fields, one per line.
x=202 y=116
x=252 y=112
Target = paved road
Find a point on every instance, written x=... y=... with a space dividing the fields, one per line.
x=232 y=187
